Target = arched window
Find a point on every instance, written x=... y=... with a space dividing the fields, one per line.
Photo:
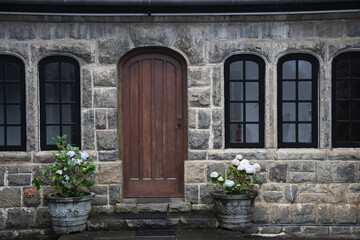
x=244 y=101
x=59 y=100
x=346 y=100
x=297 y=101
x=12 y=104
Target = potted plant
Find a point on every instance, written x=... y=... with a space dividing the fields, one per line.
x=233 y=206
x=70 y=176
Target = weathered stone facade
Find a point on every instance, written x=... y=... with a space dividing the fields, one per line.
x=300 y=186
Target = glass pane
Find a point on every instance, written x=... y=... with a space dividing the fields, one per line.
x=305 y=133
x=288 y=90
x=342 y=132
x=1 y=71
x=52 y=93
x=51 y=72
x=355 y=89
x=252 y=112
x=13 y=114
x=288 y=112
x=252 y=70
x=236 y=91
x=252 y=133
x=343 y=69
x=304 y=91
x=356 y=132
x=356 y=68
x=67 y=72
x=13 y=93
x=236 y=111
x=1 y=114
x=67 y=92
x=69 y=131
x=12 y=72
x=288 y=132
x=304 y=112
x=342 y=111
x=236 y=133
x=289 y=70
x=1 y=93
x=68 y=114
x=342 y=90
x=2 y=136
x=236 y=70
x=52 y=114
x=252 y=91
x=304 y=69
x=52 y=131
x=356 y=110
x=13 y=136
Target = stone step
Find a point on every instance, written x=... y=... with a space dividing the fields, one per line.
x=172 y=206
x=115 y=222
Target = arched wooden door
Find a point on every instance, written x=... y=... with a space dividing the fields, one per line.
x=153 y=124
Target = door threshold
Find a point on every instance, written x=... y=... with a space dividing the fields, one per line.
x=152 y=200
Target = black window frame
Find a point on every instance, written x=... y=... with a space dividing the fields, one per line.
x=335 y=144
x=260 y=101
x=314 y=100
x=22 y=147
x=43 y=124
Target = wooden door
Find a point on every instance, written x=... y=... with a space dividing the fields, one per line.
x=153 y=125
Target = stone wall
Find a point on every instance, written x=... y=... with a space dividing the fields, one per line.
x=300 y=186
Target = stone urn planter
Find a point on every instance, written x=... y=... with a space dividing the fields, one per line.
x=234 y=212
x=69 y=214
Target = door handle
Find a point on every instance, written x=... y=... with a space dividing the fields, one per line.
x=178 y=126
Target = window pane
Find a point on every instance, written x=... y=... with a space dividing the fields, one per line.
x=342 y=132
x=2 y=136
x=304 y=69
x=236 y=91
x=236 y=133
x=13 y=93
x=51 y=72
x=51 y=131
x=13 y=136
x=342 y=111
x=236 y=112
x=52 y=93
x=12 y=72
x=355 y=90
x=356 y=68
x=69 y=131
x=356 y=110
x=288 y=90
x=252 y=133
x=289 y=69
x=343 y=69
x=305 y=133
x=356 y=132
x=342 y=90
x=67 y=72
x=252 y=70
x=13 y=114
x=68 y=114
x=52 y=114
x=252 y=91
x=304 y=91
x=304 y=112
x=1 y=93
x=236 y=70
x=67 y=92
x=1 y=72
x=288 y=112
x=252 y=112
x=1 y=114
x=288 y=132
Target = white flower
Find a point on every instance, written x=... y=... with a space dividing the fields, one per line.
x=79 y=162
x=239 y=157
x=241 y=167
x=66 y=177
x=220 y=179
x=235 y=162
x=257 y=167
x=84 y=155
x=71 y=153
x=59 y=172
x=214 y=175
x=245 y=162
x=250 y=169
x=229 y=183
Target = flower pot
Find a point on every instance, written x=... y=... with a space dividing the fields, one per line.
x=234 y=212
x=69 y=214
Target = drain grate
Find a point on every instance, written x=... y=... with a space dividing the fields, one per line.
x=155 y=233
x=157 y=215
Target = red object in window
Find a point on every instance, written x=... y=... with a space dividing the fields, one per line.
x=239 y=134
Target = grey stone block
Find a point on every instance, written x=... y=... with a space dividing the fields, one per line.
x=2 y=221
x=108 y=156
x=87 y=97
x=273 y=197
x=112 y=49
x=100 y=119
x=274 y=30
x=105 y=97
x=214 y=155
x=19 y=180
x=291 y=193
x=313 y=198
x=302 y=166
x=19 y=218
x=302 y=29
x=99 y=200
x=343 y=231
x=101 y=31
x=278 y=172
x=88 y=130
x=79 y=31
x=196 y=155
x=280 y=213
x=15 y=157
x=343 y=172
x=152 y=34
x=261 y=213
x=205 y=190
x=22 y=31
x=217 y=128
x=2 y=176
x=104 y=77
x=323 y=174
x=296 y=177
x=333 y=29
x=114 y=193
x=292 y=229
x=199 y=77
x=271 y=230
x=179 y=207
x=99 y=190
x=225 y=31
x=112 y=118
x=199 y=97
x=304 y=213
x=354 y=187
x=192 y=193
x=249 y=30
x=51 y=31
x=314 y=188
x=107 y=140
x=199 y=139
x=204 y=119
x=272 y=187
x=216 y=86
x=192 y=118
x=42 y=218
x=218 y=167
x=21 y=48
x=316 y=230
x=12 y=199
x=352 y=28
x=345 y=214
x=325 y=214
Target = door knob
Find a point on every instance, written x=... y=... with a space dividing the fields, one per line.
x=178 y=126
